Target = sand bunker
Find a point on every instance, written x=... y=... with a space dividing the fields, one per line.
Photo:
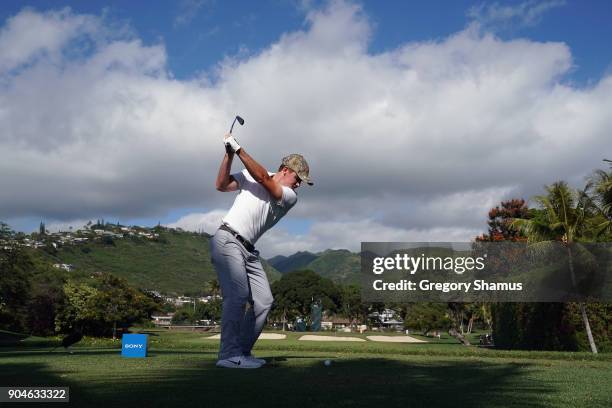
x=311 y=337
x=264 y=336
x=395 y=339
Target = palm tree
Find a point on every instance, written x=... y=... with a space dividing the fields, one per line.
x=214 y=287
x=601 y=182
x=485 y=313
x=566 y=215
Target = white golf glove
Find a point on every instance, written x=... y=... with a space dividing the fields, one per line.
x=231 y=142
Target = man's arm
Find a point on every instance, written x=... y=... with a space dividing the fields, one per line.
x=225 y=182
x=261 y=175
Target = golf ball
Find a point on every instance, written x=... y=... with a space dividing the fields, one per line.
x=327 y=363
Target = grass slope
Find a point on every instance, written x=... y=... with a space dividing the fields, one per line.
x=178 y=262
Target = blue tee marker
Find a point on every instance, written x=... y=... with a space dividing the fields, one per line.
x=134 y=345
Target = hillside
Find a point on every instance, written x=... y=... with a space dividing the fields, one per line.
x=339 y=265
x=299 y=260
x=176 y=262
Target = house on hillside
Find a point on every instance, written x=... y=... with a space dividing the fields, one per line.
x=179 y=301
x=66 y=267
x=209 y=298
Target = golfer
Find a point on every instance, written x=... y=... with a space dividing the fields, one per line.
x=263 y=199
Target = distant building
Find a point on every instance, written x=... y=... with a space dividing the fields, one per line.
x=335 y=323
x=66 y=267
x=162 y=320
x=387 y=319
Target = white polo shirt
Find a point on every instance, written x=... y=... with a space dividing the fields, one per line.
x=254 y=211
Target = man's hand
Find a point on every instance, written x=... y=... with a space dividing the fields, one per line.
x=229 y=140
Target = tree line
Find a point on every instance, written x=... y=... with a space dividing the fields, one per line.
x=572 y=217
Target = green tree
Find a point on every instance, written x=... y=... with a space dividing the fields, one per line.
x=100 y=307
x=506 y=324
x=486 y=315
x=208 y=311
x=295 y=292
x=565 y=215
x=427 y=317
x=213 y=287
x=351 y=304
x=108 y=240
x=5 y=231
x=118 y=303
x=473 y=314
x=537 y=326
x=46 y=298
x=15 y=284
x=183 y=315
x=77 y=310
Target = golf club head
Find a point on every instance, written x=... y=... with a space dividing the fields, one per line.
x=239 y=119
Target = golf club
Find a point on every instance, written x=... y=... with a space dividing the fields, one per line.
x=239 y=119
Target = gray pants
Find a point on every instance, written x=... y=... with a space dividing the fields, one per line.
x=247 y=297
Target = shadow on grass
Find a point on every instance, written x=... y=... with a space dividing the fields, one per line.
x=96 y=351
x=287 y=380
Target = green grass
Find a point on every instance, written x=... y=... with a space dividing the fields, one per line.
x=11 y=338
x=180 y=371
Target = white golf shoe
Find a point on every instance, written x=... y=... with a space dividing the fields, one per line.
x=251 y=357
x=238 y=362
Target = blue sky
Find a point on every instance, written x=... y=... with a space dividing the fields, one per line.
x=199 y=33
x=112 y=109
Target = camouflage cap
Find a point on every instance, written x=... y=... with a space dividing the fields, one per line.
x=297 y=163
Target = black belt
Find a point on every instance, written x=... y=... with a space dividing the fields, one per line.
x=249 y=247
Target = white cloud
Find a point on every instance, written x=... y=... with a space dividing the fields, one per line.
x=207 y=222
x=419 y=140
x=349 y=235
x=188 y=10
x=31 y=34
x=72 y=225
x=527 y=13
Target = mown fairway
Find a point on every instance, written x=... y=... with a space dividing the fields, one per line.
x=180 y=371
